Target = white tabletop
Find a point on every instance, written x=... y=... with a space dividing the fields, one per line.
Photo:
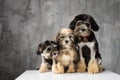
x=36 y=75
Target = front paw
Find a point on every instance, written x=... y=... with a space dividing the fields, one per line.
x=93 y=67
x=54 y=69
x=101 y=68
x=71 y=68
x=60 y=68
x=43 y=68
x=81 y=66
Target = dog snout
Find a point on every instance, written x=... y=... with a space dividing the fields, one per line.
x=66 y=41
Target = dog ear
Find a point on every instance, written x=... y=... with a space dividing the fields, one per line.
x=77 y=38
x=72 y=24
x=94 y=25
x=47 y=42
x=40 y=48
x=54 y=43
x=56 y=38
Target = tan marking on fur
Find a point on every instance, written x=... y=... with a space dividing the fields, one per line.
x=66 y=31
x=81 y=66
x=93 y=67
x=54 y=65
x=43 y=68
x=62 y=31
x=101 y=68
x=54 y=68
x=66 y=56
x=40 y=49
x=71 y=55
x=71 y=68
x=60 y=68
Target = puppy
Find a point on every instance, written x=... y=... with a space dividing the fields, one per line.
x=45 y=49
x=68 y=54
x=84 y=25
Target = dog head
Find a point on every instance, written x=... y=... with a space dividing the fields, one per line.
x=83 y=28
x=65 y=38
x=45 y=49
x=85 y=21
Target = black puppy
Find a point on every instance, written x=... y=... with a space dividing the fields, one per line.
x=84 y=25
x=45 y=50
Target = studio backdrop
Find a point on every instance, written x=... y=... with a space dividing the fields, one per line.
x=26 y=23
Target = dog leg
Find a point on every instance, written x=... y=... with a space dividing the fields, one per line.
x=101 y=68
x=60 y=68
x=81 y=64
x=43 y=68
x=93 y=67
x=54 y=67
x=71 y=68
x=81 y=67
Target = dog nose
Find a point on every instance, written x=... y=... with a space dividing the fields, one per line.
x=66 y=41
x=54 y=53
x=83 y=30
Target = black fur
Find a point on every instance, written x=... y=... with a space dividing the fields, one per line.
x=84 y=17
x=91 y=38
x=86 y=50
x=42 y=46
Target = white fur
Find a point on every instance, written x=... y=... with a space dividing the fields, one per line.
x=90 y=45
x=45 y=54
x=66 y=58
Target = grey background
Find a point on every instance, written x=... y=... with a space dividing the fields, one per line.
x=25 y=23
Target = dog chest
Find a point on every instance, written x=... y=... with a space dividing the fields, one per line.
x=86 y=48
x=89 y=44
x=66 y=57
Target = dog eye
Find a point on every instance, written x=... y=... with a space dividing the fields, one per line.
x=70 y=36
x=62 y=37
x=87 y=24
x=49 y=49
x=54 y=53
x=77 y=29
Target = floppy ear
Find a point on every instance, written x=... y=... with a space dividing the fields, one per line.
x=54 y=43
x=72 y=24
x=77 y=38
x=40 y=48
x=47 y=42
x=94 y=25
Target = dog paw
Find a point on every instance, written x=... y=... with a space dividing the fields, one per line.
x=54 y=69
x=60 y=68
x=43 y=68
x=93 y=67
x=71 y=71
x=101 y=68
x=59 y=71
x=81 y=66
x=71 y=68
